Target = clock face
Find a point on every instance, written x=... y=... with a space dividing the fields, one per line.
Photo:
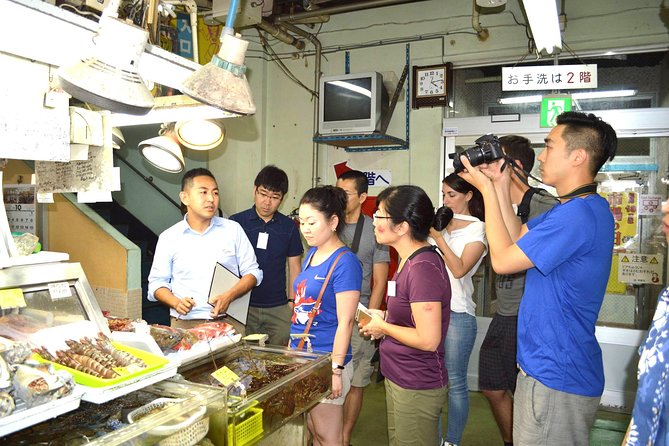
x=431 y=82
x=432 y=85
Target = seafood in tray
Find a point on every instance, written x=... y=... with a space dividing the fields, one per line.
x=26 y=383
x=100 y=362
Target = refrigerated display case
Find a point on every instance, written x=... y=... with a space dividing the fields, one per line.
x=165 y=413
x=47 y=304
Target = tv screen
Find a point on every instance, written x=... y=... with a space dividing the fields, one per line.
x=351 y=103
x=348 y=99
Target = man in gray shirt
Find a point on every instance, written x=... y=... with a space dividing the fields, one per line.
x=358 y=234
x=497 y=357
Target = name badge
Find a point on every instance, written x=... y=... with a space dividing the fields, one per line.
x=263 y=238
x=391 y=288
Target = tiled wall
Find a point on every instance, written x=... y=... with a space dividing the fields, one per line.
x=120 y=303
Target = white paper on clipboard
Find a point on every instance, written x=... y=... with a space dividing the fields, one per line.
x=222 y=280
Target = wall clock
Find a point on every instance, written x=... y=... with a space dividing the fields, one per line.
x=432 y=85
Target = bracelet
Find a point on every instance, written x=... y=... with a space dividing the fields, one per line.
x=291 y=300
x=336 y=372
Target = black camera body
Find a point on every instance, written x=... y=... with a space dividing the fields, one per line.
x=487 y=149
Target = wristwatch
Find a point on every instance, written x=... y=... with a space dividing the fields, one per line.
x=336 y=366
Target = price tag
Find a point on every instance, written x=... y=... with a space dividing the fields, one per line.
x=12 y=298
x=59 y=290
x=225 y=376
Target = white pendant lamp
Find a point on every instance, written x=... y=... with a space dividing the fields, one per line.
x=109 y=78
x=200 y=134
x=163 y=151
x=222 y=82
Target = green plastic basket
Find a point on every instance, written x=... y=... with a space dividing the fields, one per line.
x=247 y=430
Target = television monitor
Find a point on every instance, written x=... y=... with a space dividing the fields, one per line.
x=351 y=103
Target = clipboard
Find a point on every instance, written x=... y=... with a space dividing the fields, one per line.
x=222 y=280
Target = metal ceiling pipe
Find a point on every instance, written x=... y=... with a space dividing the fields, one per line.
x=332 y=10
x=317 y=81
x=280 y=34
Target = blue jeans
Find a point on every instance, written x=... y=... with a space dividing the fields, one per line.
x=459 y=344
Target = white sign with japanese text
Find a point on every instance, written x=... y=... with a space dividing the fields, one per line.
x=650 y=204
x=549 y=77
x=640 y=268
x=380 y=178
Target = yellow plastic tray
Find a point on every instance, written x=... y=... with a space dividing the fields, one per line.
x=152 y=361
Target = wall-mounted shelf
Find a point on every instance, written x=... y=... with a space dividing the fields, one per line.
x=363 y=142
x=377 y=141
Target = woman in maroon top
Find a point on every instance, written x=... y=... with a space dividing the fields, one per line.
x=414 y=326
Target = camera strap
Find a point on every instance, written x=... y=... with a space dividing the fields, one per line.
x=586 y=189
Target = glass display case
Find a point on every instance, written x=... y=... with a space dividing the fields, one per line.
x=165 y=413
x=276 y=385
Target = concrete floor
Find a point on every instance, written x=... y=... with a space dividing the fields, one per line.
x=481 y=430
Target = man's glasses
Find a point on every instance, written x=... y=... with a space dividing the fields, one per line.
x=265 y=196
x=377 y=217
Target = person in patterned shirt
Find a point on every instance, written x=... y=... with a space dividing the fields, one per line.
x=650 y=417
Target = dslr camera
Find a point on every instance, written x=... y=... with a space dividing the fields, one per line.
x=487 y=149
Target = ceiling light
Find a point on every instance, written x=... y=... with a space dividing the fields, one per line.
x=163 y=152
x=543 y=18
x=200 y=134
x=109 y=78
x=574 y=96
x=222 y=82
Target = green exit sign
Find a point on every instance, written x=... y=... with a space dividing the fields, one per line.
x=552 y=106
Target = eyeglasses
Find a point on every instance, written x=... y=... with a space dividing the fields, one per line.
x=265 y=196
x=377 y=217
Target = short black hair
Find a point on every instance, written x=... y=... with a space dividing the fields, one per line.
x=329 y=201
x=361 y=184
x=519 y=148
x=187 y=180
x=273 y=179
x=409 y=204
x=591 y=133
x=475 y=206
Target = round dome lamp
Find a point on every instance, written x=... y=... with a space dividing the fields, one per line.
x=163 y=152
x=200 y=134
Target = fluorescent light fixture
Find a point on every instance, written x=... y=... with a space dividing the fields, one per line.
x=544 y=23
x=163 y=152
x=109 y=78
x=355 y=88
x=171 y=109
x=574 y=96
x=200 y=134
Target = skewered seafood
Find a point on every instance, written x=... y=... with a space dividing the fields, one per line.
x=100 y=358
x=123 y=358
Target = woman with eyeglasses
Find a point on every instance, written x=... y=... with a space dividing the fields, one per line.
x=463 y=245
x=332 y=270
x=413 y=328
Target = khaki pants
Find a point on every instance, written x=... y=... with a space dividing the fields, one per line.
x=274 y=322
x=413 y=415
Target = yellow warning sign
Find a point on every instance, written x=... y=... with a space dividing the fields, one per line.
x=641 y=268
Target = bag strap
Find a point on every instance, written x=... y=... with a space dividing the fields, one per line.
x=358 y=233
x=317 y=305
